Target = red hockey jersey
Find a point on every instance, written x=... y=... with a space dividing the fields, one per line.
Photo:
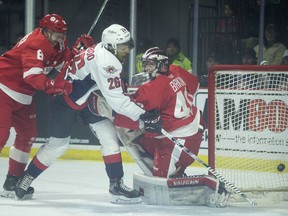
x=23 y=69
x=173 y=96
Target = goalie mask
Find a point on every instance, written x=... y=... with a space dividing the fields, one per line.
x=155 y=61
x=117 y=38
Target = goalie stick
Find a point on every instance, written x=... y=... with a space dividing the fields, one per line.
x=97 y=18
x=98 y=106
x=142 y=161
x=214 y=172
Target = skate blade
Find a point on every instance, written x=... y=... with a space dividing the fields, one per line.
x=8 y=194
x=116 y=199
x=25 y=197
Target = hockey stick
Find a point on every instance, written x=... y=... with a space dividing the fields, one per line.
x=127 y=136
x=214 y=172
x=70 y=79
x=98 y=106
x=97 y=18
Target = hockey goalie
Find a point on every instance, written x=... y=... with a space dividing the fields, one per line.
x=169 y=90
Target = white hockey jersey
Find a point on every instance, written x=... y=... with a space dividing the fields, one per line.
x=98 y=69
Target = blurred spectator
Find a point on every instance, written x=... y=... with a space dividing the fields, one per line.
x=250 y=31
x=285 y=58
x=176 y=56
x=142 y=46
x=210 y=61
x=273 y=50
x=245 y=81
x=229 y=23
x=249 y=57
x=227 y=34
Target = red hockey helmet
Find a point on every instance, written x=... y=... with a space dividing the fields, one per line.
x=54 y=22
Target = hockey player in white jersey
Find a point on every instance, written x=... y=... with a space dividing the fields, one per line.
x=97 y=68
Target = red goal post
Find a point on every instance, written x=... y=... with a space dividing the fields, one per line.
x=248 y=118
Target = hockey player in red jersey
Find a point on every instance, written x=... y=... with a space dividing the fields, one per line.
x=171 y=91
x=24 y=69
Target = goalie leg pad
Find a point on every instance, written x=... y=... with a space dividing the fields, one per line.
x=145 y=163
x=196 y=190
x=220 y=198
x=127 y=138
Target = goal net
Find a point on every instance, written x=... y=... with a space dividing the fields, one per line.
x=248 y=118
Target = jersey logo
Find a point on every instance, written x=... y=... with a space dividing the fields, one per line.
x=110 y=69
x=40 y=55
x=47 y=70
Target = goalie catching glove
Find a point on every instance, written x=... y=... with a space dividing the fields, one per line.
x=152 y=121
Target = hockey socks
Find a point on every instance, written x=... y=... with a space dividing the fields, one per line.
x=23 y=189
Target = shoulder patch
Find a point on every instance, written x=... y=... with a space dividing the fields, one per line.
x=110 y=69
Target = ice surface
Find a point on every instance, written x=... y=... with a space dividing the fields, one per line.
x=70 y=188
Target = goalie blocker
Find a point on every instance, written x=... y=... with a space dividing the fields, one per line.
x=198 y=190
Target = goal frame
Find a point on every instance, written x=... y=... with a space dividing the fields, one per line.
x=212 y=99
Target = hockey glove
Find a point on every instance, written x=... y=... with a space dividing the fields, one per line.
x=58 y=86
x=83 y=42
x=152 y=121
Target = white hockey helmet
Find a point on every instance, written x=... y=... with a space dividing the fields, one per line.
x=116 y=34
x=155 y=61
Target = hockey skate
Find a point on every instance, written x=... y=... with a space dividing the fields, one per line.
x=10 y=186
x=22 y=189
x=121 y=194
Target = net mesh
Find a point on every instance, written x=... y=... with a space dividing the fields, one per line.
x=250 y=117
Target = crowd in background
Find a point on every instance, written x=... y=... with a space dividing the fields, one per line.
x=236 y=40
x=236 y=30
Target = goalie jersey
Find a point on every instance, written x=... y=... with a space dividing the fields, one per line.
x=173 y=96
x=96 y=68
